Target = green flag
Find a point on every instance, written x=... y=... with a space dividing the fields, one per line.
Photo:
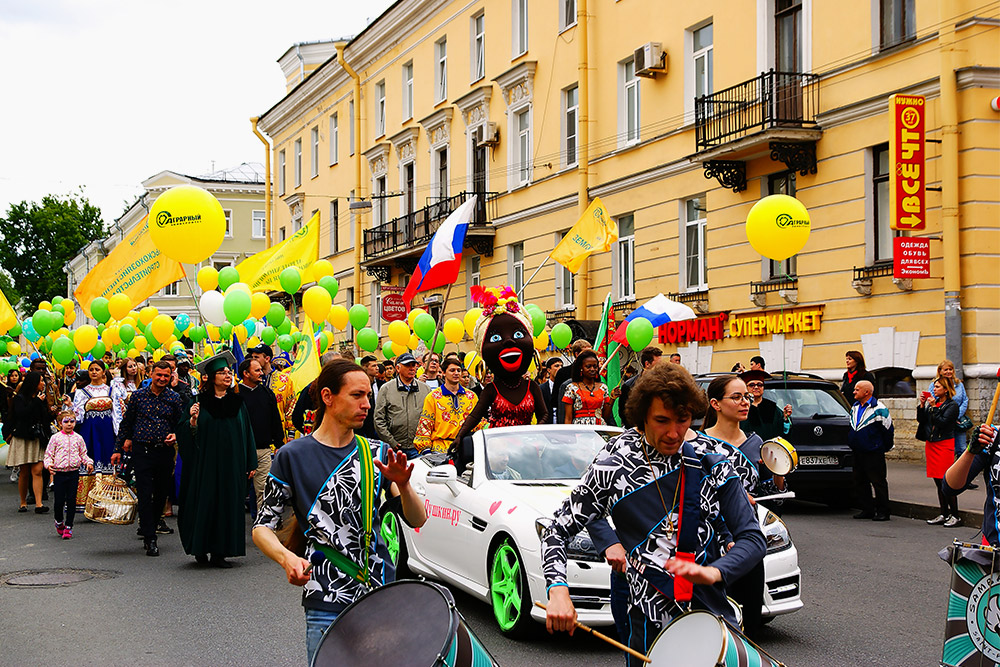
x=612 y=374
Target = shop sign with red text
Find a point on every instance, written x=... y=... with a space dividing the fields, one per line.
x=911 y=258
x=907 y=175
x=698 y=330
x=393 y=307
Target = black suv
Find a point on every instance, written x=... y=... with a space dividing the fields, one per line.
x=820 y=424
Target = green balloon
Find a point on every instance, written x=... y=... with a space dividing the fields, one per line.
x=538 y=320
x=99 y=349
x=58 y=308
x=57 y=319
x=150 y=338
x=45 y=344
x=284 y=328
x=368 y=339
x=63 y=350
x=126 y=332
x=99 y=309
x=330 y=284
x=358 y=316
x=226 y=330
x=42 y=322
x=323 y=344
x=561 y=335
x=297 y=336
x=423 y=326
x=227 y=277
x=276 y=314
x=268 y=335
x=439 y=343
x=101 y=328
x=387 y=350
x=639 y=333
x=196 y=334
x=236 y=305
x=290 y=279
x=15 y=330
x=285 y=342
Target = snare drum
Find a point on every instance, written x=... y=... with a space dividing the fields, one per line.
x=701 y=639
x=779 y=456
x=402 y=623
x=972 y=627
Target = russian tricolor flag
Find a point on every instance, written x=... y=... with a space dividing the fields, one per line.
x=658 y=310
x=442 y=259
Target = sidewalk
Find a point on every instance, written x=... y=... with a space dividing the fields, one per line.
x=911 y=494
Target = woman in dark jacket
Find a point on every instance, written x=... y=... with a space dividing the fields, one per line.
x=7 y=392
x=936 y=417
x=30 y=429
x=855 y=373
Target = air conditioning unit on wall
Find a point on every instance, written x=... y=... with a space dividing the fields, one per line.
x=490 y=134
x=650 y=60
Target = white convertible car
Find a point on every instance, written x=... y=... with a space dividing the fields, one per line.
x=483 y=525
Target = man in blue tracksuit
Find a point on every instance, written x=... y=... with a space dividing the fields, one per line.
x=870 y=437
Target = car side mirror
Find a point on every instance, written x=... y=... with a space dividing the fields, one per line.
x=444 y=474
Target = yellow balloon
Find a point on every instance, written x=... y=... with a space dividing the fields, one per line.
x=132 y=353
x=259 y=305
x=542 y=340
x=472 y=360
x=253 y=342
x=45 y=305
x=317 y=303
x=134 y=314
x=398 y=349
x=454 y=330
x=128 y=320
x=147 y=314
x=85 y=339
x=320 y=269
x=119 y=306
x=338 y=317
x=294 y=330
x=239 y=287
x=209 y=350
x=778 y=226
x=213 y=331
x=413 y=315
x=399 y=333
x=414 y=342
x=13 y=347
x=110 y=336
x=59 y=333
x=69 y=317
x=187 y=224
x=158 y=354
x=162 y=326
x=241 y=334
x=139 y=342
x=208 y=278
x=470 y=320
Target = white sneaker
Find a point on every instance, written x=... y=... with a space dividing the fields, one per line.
x=952 y=521
x=938 y=520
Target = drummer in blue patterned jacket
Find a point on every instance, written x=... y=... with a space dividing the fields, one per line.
x=981 y=456
x=645 y=470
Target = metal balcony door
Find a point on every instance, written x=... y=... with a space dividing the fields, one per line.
x=479 y=175
x=408 y=219
x=787 y=60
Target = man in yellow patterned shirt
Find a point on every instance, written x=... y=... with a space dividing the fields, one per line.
x=280 y=384
x=445 y=410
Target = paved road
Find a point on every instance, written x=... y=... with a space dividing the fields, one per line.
x=875 y=595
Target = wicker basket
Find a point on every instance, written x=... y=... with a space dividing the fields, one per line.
x=111 y=501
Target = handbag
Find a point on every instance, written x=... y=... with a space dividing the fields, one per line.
x=964 y=423
x=921 y=432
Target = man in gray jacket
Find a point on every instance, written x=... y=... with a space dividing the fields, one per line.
x=399 y=404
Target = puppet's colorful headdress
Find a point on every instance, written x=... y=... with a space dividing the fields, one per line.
x=496 y=301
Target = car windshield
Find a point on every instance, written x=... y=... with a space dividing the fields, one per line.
x=809 y=402
x=543 y=454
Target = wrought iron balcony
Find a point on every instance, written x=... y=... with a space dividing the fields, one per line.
x=411 y=232
x=770 y=100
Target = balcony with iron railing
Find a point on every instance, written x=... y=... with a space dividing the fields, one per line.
x=409 y=234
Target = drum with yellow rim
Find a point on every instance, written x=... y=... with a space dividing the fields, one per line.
x=779 y=456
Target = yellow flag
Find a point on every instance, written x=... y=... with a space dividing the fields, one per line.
x=135 y=267
x=306 y=366
x=261 y=271
x=594 y=231
x=8 y=318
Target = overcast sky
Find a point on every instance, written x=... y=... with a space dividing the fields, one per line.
x=106 y=93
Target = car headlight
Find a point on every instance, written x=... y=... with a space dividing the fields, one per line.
x=775 y=533
x=580 y=546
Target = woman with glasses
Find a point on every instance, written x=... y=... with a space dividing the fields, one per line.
x=765 y=418
x=219 y=456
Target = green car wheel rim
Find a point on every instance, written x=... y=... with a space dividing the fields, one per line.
x=505 y=586
x=390 y=533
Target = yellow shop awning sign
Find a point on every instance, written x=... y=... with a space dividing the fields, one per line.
x=794 y=321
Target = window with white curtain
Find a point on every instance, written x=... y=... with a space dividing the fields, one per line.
x=519 y=30
x=625 y=256
x=477 y=61
x=408 y=90
x=629 y=102
x=334 y=138
x=522 y=122
x=571 y=103
x=694 y=248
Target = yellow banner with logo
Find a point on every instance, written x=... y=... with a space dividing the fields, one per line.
x=261 y=271
x=8 y=318
x=306 y=366
x=135 y=267
x=595 y=231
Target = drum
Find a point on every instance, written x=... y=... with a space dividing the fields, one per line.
x=701 y=639
x=779 y=456
x=972 y=628
x=403 y=623
x=83 y=489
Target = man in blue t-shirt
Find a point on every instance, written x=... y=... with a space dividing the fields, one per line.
x=324 y=478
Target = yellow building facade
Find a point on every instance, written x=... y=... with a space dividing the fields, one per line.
x=688 y=115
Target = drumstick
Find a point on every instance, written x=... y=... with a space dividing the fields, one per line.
x=631 y=651
x=993 y=408
x=776 y=496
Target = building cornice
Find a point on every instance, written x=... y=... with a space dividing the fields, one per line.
x=475 y=105
x=437 y=126
x=377 y=156
x=405 y=143
x=517 y=83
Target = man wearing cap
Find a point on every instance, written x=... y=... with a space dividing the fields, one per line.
x=765 y=418
x=279 y=383
x=399 y=405
x=184 y=373
x=265 y=420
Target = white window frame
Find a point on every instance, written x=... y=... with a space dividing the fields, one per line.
x=408 y=90
x=229 y=222
x=380 y=108
x=564 y=278
x=172 y=289
x=334 y=137
x=571 y=125
x=624 y=255
x=699 y=226
x=297 y=162
x=314 y=152
x=334 y=226
x=441 y=185
x=282 y=234
x=350 y=232
x=771 y=269
x=473 y=276
x=441 y=70
x=628 y=86
x=765 y=34
x=477 y=47
x=567 y=14
x=690 y=67
x=873 y=208
x=520 y=147
x=256 y=217
x=515 y=276
x=350 y=125
x=281 y=172
x=375 y=322
x=519 y=28
x=379 y=186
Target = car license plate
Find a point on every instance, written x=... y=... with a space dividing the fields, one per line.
x=818 y=461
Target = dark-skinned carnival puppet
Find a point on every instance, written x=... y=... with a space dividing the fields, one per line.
x=503 y=338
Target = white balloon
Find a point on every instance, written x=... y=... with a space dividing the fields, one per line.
x=3 y=455
x=211 y=307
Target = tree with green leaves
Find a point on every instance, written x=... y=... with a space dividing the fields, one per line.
x=36 y=241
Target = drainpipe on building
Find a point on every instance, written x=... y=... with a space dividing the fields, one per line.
x=358 y=232
x=267 y=181
x=949 y=196
x=583 y=157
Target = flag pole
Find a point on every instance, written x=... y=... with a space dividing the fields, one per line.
x=520 y=295
x=197 y=306
x=444 y=311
